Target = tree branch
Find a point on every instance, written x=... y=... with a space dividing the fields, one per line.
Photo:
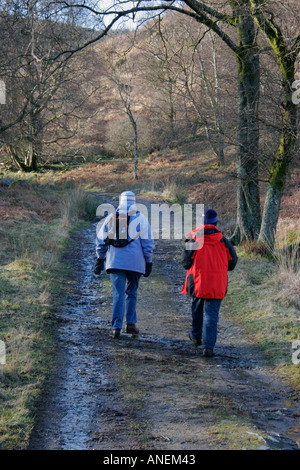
x=198 y=13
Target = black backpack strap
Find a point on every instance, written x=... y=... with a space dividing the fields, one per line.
x=115 y=220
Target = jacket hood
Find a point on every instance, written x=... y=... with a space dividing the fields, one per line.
x=212 y=238
x=127 y=203
x=210 y=233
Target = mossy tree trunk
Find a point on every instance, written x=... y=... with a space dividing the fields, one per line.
x=248 y=197
x=246 y=52
x=286 y=57
x=280 y=168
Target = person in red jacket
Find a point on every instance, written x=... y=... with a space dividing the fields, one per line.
x=208 y=259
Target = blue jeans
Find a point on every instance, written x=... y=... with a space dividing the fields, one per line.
x=124 y=297
x=205 y=317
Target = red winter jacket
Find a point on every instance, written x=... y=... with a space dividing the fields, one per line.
x=206 y=277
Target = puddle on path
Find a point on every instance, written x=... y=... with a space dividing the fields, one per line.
x=70 y=401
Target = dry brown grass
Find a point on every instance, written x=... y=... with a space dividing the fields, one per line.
x=23 y=203
x=35 y=227
x=179 y=174
x=191 y=168
x=287 y=256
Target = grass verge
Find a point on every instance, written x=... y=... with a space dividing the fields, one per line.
x=36 y=223
x=259 y=302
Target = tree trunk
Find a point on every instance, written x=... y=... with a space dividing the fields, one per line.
x=280 y=166
x=30 y=161
x=286 y=54
x=215 y=137
x=217 y=106
x=216 y=143
x=16 y=161
x=171 y=114
x=136 y=154
x=136 y=148
x=31 y=157
x=248 y=197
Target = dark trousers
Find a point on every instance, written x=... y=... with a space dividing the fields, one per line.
x=205 y=317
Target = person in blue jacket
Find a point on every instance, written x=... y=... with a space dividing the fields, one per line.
x=126 y=260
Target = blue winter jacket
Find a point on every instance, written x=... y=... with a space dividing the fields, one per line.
x=134 y=256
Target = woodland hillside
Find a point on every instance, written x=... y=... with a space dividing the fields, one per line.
x=181 y=102
x=177 y=77
x=170 y=81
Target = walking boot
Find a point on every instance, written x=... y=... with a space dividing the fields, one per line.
x=132 y=329
x=115 y=334
x=208 y=353
x=197 y=342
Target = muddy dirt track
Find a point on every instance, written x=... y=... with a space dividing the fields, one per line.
x=154 y=391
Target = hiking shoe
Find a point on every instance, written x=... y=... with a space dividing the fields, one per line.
x=208 y=353
x=197 y=342
x=131 y=329
x=115 y=334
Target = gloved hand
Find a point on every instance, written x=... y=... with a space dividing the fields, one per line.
x=148 y=269
x=99 y=266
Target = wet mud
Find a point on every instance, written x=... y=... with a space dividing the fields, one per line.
x=155 y=390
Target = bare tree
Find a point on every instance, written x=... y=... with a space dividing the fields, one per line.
x=182 y=76
x=122 y=74
x=34 y=81
x=237 y=18
x=161 y=72
x=235 y=25
x=213 y=92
